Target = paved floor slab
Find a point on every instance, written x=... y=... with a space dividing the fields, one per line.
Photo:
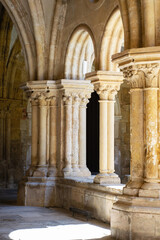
x=36 y=223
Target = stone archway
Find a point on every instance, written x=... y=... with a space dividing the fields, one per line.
x=14 y=121
x=112 y=43
x=80 y=59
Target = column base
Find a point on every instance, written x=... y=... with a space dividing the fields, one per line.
x=40 y=171
x=132 y=187
x=151 y=189
x=107 y=178
x=67 y=171
x=75 y=170
x=30 y=171
x=85 y=172
x=135 y=218
x=52 y=172
x=142 y=189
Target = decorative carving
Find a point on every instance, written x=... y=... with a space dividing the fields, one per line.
x=75 y=99
x=53 y=101
x=142 y=75
x=67 y=99
x=107 y=91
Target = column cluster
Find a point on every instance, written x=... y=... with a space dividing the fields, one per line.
x=44 y=134
x=75 y=134
x=144 y=81
x=58 y=127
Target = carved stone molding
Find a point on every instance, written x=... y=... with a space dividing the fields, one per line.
x=107 y=91
x=53 y=101
x=76 y=98
x=67 y=99
x=106 y=83
x=142 y=75
x=84 y=101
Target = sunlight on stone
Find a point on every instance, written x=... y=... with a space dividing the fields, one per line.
x=64 y=232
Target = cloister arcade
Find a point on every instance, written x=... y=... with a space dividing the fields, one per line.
x=79 y=108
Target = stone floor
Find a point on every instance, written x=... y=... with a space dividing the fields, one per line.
x=35 y=223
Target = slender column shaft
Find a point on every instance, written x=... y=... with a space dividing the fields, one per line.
x=47 y=132
x=110 y=136
x=68 y=133
x=103 y=136
x=75 y=139
x=82 y=136
x=8 y=139
x=42 y=131
x=1 y=135
x=34 y=151
x=151 y=161
x=53 y=133
x=137 y=133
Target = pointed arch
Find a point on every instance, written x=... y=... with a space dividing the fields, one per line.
x=112 y=41
x=23 y=26
x=81 y=47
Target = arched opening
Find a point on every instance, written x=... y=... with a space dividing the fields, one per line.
x=80 y=54
x=113 y=42
x=14 y=113
x=80 y=59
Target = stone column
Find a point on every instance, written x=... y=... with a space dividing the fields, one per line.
x=106 y=84
x=8 y=151
x=53 y=138
x=67 y=170
x=144 y=127
x=136 y=80
x=151 y=162
x=110 y=137
x=107 y=94
x=74 y=94
x=8 y=138
x=151 y=92
x=44 y=127
x=103 y=140
x=141 y=67
x=75 y=135
x=82 y=137
x=1 y=135
x=34 y=149
x=41 y=170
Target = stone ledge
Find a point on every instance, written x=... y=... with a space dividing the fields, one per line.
x=67 y=192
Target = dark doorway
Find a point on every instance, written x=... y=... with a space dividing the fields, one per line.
x=93 y=134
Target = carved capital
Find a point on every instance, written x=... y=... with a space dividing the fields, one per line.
x=107 y=91
x=53 y=101
x=42 y=101
x=75 y=99
x=152 y=74
x=34 y=102
x=84 y=99
x=67 y=98
x=142 y=75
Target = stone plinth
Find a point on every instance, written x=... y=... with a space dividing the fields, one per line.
x=107 y=178
x=77 y=192
x=135 y=218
